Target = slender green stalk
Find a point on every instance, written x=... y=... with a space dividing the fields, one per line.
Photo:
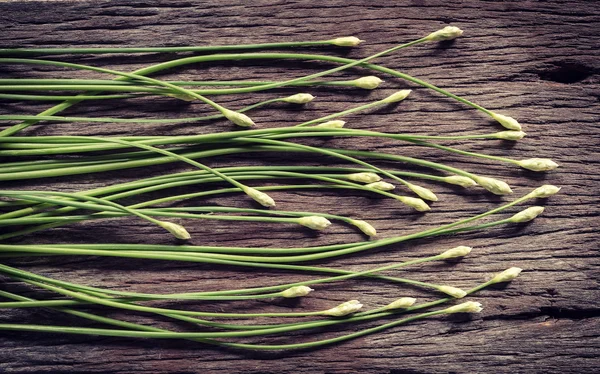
x=84 y=82
x=101 y=50
x=59 y=98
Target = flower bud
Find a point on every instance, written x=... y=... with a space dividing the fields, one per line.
x=344 y=309
x=506 y=276
x=460 y=251
x=415 y=203
x=178 y=231
x=527 y=214
x=314 y=222
x=447 y=33
x=335 y=124
x=404 y=302
x=260 y=197
x=368 y=83
x=538 y=164
x=423 y=192
x=452 y=291
x=239 y=119
x=468 y=307
x=381 y=186
x=544 y=191
x=346 y=41
x=510 y=135
x=365 y=227
x=396 y=97
x=507 y=122
x=367 y=177
x=300 y=98
x=296 y=291
x=459 y=180
x=495 y=186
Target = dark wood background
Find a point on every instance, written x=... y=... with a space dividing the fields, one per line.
x=536 y=61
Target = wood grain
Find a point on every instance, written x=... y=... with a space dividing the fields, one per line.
x=535 y=61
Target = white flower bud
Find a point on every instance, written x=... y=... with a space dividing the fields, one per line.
x=495 y=186
x=296 y=291
x=178 y=231
x=396 y=97
x=460 y=251
x=544 y=191
x=452 y=291
x=527 y=214
x=468 y=307
x=413 y=202
x=365 y=227
x=447 y=33
x=381 y=186
x=507 y=275
x=260 y=197
x=459 y=180
x=404 y=302
x=538 y=164
x=368 y=83
x=423 y=192
x=344 y=309
x=314 y=222
x=507 y=122
x=346 y=41
x=510 y=135
x=335 y=124
x=300 y=98
x=367 y=177
x=239 y=119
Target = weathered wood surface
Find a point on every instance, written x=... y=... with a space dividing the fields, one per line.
x=536 y=61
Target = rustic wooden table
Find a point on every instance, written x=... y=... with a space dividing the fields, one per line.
x=536 y=61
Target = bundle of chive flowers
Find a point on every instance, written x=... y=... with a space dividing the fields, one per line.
x=29 y=157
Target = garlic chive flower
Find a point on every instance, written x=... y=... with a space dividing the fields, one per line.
x=239 y=119
x=495 y=186
x=415 y=203
x=452 y=291
x=447 y=33
x=467 y=307
x=404 y=302
x=544 y=191
x=300 y=98
x=423 y=192
x=506 y=276
x=381 y=186
x=335 y=124
x=396 y=97
x=314 y=222
x=365 y=227
x=510 y=135
x=296 y=291
x=459 y=180
x=346 y=41
x=260 y=197
x=527 y=214
x=538 y=164
x=506 y=121
x=367 y=177
x=455 y=252
x=178 y=231
x=344 y=309
x=368 y=83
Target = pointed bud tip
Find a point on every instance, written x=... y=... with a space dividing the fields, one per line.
x=368 y=83
x=507 y=275
x=346 y=41
x=506 y=121
x=459 y=251
x=299 y=98
x=447 y=33
x=397 y=96
x=381 y=186
x=366 y=177
x=527 y=215
x=365 y=227
x=538 y=164
x=423 y=192
x=296 y=291
x=404 y=302
x=467 y=307
x=176 y=230
x=335 y=124
x=453 y=291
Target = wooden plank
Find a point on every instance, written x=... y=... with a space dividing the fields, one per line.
x=536 y=61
